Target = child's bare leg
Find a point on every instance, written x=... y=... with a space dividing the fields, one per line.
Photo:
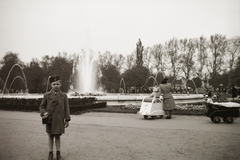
x=50 y=142
x=57 y=142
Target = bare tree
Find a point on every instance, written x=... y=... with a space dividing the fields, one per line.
x=233 y=52
x=217 y=46
x=118 y=62
x=105 y=59
x=187 y=48
x=159 y=56
x=202 y=56
x=172 y=50
x=147 y=58
x=131 y=59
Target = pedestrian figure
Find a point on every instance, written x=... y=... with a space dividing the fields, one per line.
x=55 y=107
x=168 y=101
x=234 y=91
x=210 y=95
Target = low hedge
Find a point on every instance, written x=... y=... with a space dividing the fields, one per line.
x=19 y=107
x=37 y=101
x=77 y=105
x=79 y=109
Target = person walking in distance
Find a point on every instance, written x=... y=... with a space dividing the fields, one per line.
x=234 y=91
x=55 y=107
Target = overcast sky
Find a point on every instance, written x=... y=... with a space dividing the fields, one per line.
x=34 y=28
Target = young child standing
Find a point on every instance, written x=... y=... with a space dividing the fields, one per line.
x=155 y=93
x=56 y=106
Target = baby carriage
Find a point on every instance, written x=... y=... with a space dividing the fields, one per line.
x=151 y=107
x=227 y=111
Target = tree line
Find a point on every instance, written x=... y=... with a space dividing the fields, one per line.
x=214 y=61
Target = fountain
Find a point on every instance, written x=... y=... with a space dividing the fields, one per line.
x=151 y=77
x=13 y=82
x=87 y=77
x=185 y=83
x=23 y=79
x=193 y=84
x=48 y=83
x=87 y=72
x=124 y=88
x=154 y=78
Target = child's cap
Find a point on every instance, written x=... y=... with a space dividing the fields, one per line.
x=54 y=78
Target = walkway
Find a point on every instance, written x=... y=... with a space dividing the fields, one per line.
x=104 y=136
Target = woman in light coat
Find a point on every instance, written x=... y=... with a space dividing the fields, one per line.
x=55 y=104
x=168 y=101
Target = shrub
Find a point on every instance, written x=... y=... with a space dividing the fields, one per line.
x=23 y=104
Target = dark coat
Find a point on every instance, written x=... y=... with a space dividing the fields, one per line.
x=234 y=92
x=58 y=107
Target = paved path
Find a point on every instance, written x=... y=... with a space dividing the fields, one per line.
x=197 y=123
x=121 y=136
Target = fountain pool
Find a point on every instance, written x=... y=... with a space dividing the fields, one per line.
x=121 y=100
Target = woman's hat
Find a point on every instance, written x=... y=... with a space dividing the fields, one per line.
x=54 y=78
x=164 y=80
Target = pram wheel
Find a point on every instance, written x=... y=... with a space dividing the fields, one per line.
x=145 y=117
x=153 y=117
x=224 y=119
x=228 y=120
x=216 y=119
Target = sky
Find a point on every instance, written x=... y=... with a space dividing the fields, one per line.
x=35 y=28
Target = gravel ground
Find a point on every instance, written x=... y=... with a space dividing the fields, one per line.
x=108 y=136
